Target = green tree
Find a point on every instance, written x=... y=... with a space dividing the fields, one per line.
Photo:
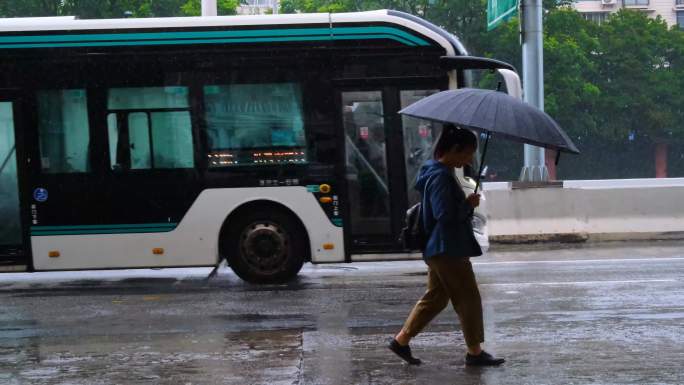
x=640 y=72
x=570 y=87
x=225 y=7
x=99 y=9
x=571 y=90
x=312 y=6
x=28 y=8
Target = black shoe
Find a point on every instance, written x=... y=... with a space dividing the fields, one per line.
x=403 y=351
x=483 y=359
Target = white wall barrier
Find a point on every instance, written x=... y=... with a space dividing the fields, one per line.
x=587 y=210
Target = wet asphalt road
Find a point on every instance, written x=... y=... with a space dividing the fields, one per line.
x=608 y=314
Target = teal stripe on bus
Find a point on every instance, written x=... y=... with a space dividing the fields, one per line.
x=379 y=30
x=211 y=41
x=162 y=35
x=391 y=37
x=118 y=226
x=101 y=231
x=210 y=37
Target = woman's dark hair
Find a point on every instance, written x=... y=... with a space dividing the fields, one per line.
x=452 y=136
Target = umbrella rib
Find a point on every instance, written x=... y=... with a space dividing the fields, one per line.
x=499 y=112
x=445 y=106
x=524 y=117
x=480 y=105
x=477 y=108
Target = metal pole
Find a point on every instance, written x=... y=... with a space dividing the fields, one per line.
x=209 y=8
x=533 y=82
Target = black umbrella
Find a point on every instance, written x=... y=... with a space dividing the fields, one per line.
x=493 y=113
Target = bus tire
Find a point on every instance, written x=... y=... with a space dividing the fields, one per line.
x=266 y=246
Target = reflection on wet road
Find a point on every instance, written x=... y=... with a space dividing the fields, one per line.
x=612 y=314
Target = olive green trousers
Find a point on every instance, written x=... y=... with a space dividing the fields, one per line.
x=449 y=279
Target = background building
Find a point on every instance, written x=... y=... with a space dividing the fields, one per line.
x=259 y=7
x=672 y=11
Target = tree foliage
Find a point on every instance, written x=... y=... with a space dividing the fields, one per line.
x=101 y=9
x=640 y=70
x=225 y=7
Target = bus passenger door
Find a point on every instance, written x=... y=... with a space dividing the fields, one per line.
x=14 y=249
x=370 y=226
x=383 y=154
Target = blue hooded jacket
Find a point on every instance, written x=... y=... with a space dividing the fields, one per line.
x=446 y=213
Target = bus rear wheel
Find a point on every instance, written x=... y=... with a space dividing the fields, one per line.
x=266 y=246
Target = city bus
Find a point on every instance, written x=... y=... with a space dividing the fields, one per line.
x=265 y=141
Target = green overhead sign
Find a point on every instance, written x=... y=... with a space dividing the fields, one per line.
x=499 y=11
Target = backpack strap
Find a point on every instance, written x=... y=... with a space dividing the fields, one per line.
x=422 y=208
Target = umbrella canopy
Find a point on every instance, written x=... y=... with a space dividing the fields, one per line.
x=493 y=112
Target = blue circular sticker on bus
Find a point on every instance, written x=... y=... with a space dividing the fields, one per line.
x=40 y=194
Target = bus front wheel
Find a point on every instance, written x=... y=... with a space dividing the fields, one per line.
x=266 y=246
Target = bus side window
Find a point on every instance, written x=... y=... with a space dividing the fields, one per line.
x=139 y=140
x=113 y=135
x=63 y=130
x=149 y=128
x=255 y=124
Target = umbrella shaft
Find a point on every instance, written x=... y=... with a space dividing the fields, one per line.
x=482 y=159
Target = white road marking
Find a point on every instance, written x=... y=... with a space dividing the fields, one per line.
x=607 y=260
x=578 y=282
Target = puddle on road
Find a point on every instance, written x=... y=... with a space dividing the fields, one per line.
x=331 y=353
x=262 y=357
x=415 y=274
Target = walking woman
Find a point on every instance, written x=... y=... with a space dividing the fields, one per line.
x=451 y=242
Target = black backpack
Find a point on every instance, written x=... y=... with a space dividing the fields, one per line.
x=413 y=235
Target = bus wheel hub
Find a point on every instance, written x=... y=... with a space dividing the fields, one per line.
x=264 y=246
